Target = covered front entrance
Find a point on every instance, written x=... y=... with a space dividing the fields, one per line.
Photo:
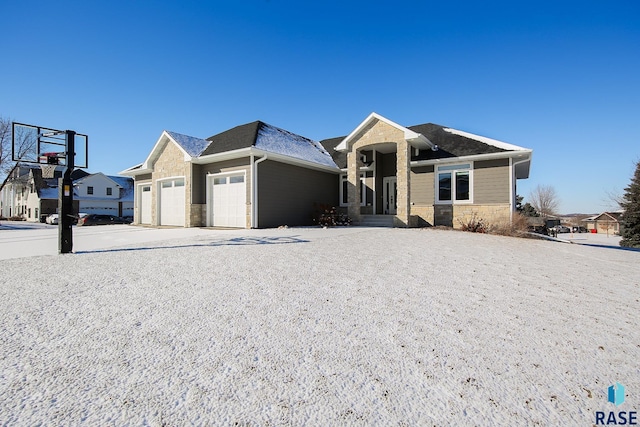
x=389 y=196
x=383 y=149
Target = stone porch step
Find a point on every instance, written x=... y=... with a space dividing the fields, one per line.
x=376 y=221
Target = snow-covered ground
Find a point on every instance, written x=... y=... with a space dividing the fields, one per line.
x=344 y=326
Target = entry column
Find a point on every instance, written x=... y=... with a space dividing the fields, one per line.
x=403 y=170
x=353 y=190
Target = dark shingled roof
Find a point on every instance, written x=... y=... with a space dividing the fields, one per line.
x=339 y=158
x=243 y=136
x=449 y=145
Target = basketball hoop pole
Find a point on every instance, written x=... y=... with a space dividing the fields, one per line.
x=65 y=197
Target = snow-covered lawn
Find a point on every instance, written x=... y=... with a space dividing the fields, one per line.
x=347 y=326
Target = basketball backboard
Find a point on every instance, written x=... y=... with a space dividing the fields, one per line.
x=37 y=144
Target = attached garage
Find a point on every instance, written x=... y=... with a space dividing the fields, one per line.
x=227 y=205
x=144 y=203
x=172 y=202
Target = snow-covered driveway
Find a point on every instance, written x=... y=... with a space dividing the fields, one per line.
x=320 y=327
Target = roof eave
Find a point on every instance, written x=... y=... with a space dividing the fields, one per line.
x=226 y=155
x=135 y=170
x=296 y=161
x=246 y=152
x=521 y=156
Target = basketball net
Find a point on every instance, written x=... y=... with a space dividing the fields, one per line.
x=48 y=171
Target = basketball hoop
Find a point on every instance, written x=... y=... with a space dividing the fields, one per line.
x=48 y=163
x=48 y=171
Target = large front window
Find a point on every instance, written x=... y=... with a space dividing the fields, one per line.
x=344 y=192
x=454 y=184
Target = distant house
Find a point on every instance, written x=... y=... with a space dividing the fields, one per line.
x=257 y=175
x=30 y=196
x=606 y=222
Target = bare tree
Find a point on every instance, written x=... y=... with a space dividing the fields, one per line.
x=614 y=199
x=545 y=200
x=25 y=141
x=5 y=144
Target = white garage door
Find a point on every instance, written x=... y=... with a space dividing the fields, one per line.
x=228 y=196
x=145 y=204
x=172 y=202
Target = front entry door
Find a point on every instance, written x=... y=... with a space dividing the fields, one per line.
x=389 y=194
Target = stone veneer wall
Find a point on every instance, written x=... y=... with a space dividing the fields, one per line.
x=171 y=163
x=198 y=215
x=490 y=214
x=456 y=215
x=421 y=216
x=379 y=132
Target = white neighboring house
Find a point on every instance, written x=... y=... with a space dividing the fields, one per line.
x=101 y=194
x=32 y=197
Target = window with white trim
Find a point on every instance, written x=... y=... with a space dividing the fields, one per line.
x=344 y=193
x=454 y=184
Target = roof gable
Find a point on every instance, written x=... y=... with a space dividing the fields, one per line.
x=608 y=216
x=414 y=138
x=190 y=146
x=96 y=177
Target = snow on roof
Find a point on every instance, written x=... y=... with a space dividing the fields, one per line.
x=48 y=193
x=280 y=141
x=127 y=187
x=192 y=145
x=485 y=140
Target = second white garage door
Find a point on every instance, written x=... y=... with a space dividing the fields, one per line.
x=145 y=204
x=228 y=199
x=172 y=202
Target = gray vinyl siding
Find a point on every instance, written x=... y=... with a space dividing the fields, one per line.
x=422 y=185
x=287 y=193
x=200 y=172
x=142 y=178
x=491 y=181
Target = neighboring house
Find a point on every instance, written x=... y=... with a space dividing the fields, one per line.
x=257 y=175
x=102 y=194
x=606 y=222
x=32 y=197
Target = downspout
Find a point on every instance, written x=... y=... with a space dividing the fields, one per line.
x=254 y=189
x=512 y=178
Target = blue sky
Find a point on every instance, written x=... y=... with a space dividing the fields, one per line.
x=559 y=77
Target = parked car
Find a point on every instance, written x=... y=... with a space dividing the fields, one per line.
x=78 y=217
x=96 y=219
x=561 y=229
x=52 y=219
x=579 y=230
x=538 y=229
